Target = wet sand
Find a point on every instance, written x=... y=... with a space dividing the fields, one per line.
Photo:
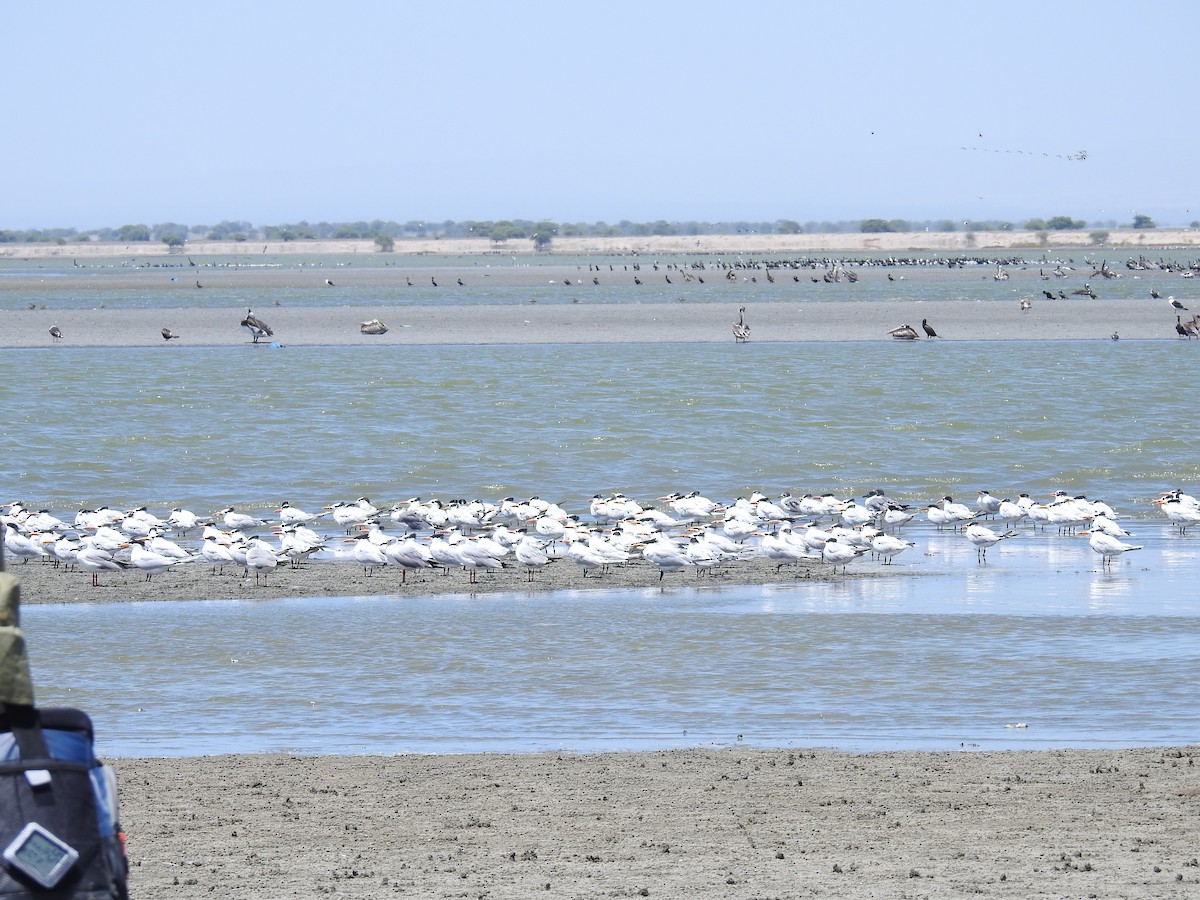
x=700 y=823
x=42 y=583
x=593 y=324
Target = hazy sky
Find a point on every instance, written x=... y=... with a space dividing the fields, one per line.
x=271 y=112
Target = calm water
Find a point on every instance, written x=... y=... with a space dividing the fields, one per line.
x=1087 y=660
x=942 y=660
x=260 y=282
x=206 y=428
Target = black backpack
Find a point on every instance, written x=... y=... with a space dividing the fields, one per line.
x=59 y=834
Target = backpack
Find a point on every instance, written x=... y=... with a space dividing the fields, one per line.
x=59 y=833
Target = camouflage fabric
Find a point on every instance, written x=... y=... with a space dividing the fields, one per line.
x=15 y=684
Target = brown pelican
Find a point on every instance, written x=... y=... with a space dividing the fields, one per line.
x=55 y=332
x=256 y=326
x=374 y=326
x=168 y=334
x=929 y=332
x=904 y=333
x=741 y=331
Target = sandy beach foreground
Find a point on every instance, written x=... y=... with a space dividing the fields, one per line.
x=720 y=823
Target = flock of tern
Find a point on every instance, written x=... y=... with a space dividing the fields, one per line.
x=680 y=531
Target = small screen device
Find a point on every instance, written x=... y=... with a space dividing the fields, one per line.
x=40 y=855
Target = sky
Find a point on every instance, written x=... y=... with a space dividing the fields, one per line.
x=277 y=112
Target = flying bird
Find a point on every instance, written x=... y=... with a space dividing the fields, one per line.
x=256 y=326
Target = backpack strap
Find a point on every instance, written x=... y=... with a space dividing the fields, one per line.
x=26 y=728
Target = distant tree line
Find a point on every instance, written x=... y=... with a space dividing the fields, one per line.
x=541 y=232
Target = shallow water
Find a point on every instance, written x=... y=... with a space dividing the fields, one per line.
x=207 y=428
x=1081 y=657
x=947 y=659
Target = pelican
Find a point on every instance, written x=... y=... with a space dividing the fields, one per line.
x=904 y=333
x=256 y=326
x=169 y=335
x=929 y=332
x=373 y=326
x=55 y=333
x=741 y=331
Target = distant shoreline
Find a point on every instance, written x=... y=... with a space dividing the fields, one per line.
x=1130 y=241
